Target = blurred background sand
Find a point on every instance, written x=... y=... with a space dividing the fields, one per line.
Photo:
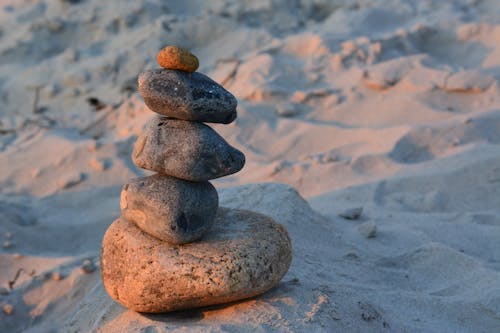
x=388 y=105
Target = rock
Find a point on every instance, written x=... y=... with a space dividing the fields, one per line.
x=57 y=276
x=352 y=213
x=7 y=244
x=93 y=145
x=187 y=96
x=36 y=172
x=185 y=150
x=70 y=180
x=173 y=57
x=299 y=97
x=171 y=209
x=287 y=110
x=368 y=229
x=97 y=164
x=8 y=309
x=87 y=266
x=244 y=255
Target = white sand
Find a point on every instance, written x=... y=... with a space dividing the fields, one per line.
x=389 y=105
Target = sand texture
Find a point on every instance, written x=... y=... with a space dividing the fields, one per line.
x=392 y=106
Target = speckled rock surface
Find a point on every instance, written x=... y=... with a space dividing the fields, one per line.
x=245 y=254
x=185 y=150
x=187 y=96
x=174 y=57
x=171 y=209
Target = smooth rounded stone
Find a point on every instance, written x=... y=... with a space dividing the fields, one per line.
x=174 y=57
x=244 y=255
x=185 y=150
x=187 y=96
x=171 y=209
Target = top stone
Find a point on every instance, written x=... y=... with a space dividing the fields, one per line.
x=187 y=96
x=177 y=58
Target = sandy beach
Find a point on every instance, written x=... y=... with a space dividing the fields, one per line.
x=371 y=131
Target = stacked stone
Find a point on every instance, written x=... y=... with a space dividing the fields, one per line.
x=173 y=247
x=178 y=205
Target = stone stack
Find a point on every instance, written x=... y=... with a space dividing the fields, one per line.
x=173 y=248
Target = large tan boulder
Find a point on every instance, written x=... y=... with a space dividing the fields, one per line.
x=245 y=254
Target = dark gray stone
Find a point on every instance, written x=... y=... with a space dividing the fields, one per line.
x=185 y=150
x=170 y=209
x=187 y=96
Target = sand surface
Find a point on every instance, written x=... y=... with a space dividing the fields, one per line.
x=388 y=105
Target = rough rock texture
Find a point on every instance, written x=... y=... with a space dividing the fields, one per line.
x=171 y=209
x=244 y=255
x=185 y=150
x=187 y=96
x=174 y=57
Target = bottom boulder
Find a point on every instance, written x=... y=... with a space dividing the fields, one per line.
x=244 y=255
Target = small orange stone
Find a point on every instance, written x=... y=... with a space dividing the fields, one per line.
x=173 y=57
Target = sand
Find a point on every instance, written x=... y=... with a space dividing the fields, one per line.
x=388 y=105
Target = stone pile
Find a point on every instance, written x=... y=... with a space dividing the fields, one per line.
x=173 y=248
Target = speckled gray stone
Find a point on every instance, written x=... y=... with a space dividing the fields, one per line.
x=244 y=255
x=187 y=96
x=185 y=150
x=171 y=209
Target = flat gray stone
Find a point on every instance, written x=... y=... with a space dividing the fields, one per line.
x=187 y=96
x=171 y=209
x=185 y=150
x=244 y=255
